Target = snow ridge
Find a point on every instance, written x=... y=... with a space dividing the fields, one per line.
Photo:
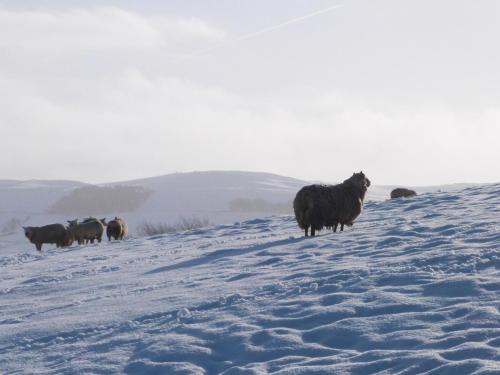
x=412 y=288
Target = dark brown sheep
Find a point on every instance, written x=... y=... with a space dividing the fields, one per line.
x=53 y=233
x=319 y=206
x=117 y=229
x=402 y=192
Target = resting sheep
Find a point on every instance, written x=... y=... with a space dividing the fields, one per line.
x=319 y=206
x=402 y=192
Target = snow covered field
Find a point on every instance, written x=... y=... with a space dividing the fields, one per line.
x=413 y=287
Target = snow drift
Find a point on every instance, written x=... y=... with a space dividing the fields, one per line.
x=412 y=288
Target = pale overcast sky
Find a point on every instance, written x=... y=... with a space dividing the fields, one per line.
x=407 y=91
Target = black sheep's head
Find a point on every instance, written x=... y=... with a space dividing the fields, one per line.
x=367 y=182
x=360 y=180
x=28 y=232
x=73 y=223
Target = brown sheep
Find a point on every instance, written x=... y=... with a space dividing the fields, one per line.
x=319 y=206
x=89 y=219
x=88 y=230
x=53 y=233
x=402 y=192
x=117 y=229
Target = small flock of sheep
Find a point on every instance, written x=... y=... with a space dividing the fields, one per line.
x=326 y=206
x=88 y=230
x=315 y=206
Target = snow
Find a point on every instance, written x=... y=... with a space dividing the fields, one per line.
x=412 y=288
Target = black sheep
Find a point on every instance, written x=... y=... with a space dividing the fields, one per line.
x=319 y=206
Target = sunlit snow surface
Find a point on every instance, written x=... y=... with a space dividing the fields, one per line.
x=413 y=287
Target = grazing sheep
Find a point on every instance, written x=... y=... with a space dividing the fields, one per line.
x=88 y=230
x=319 y=206
x=402 y=192
x=52 y=233
x=117 y=229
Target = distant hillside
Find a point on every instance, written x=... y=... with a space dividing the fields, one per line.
x=100 y=200
x=217 y=191
x=260 y=205
x=32 y=196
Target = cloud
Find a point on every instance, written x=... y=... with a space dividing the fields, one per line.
x=89 y=94
x=96 y=29
x=137 y=125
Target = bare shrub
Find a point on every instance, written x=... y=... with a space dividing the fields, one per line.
x=148 y=228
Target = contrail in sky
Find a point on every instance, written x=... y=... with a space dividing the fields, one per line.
x=268 y=29
x=286 y=23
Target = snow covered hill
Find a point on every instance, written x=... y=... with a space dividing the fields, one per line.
x=412 y=288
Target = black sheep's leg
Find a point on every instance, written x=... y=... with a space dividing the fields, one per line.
x=307 y=231
x=335 y=227
x=341 y=227
x=313 y=231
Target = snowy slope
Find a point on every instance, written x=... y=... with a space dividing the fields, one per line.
x=413 y=287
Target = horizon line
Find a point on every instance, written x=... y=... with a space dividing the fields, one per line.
x=227 y=171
